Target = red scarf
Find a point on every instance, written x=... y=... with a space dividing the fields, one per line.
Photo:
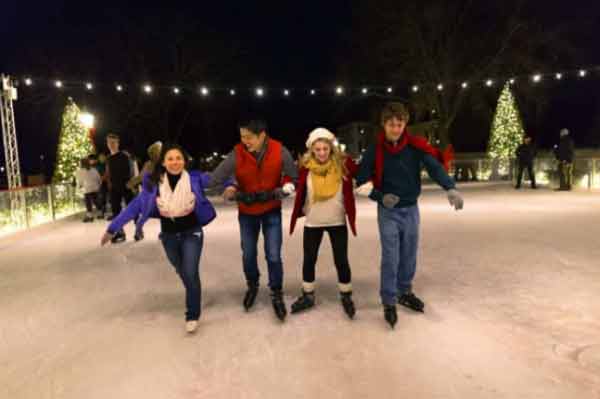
x=382 y=145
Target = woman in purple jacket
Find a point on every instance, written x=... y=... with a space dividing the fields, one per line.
x=177 y=198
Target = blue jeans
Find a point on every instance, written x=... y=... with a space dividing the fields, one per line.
x=183 y=251
x=272 y=234
x=399 y=233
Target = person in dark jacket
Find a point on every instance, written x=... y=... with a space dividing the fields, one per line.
x=394 y=164
x=177 y=198
x=565 y=154
x=118 y=173
x=525 y=156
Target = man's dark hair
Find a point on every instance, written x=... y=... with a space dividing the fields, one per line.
x=394 y=110
x=256 y=126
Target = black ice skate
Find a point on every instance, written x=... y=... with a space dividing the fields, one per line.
x=250 y=296
x=411 y=301
x=304 y=302
x=348 y=304
x=278 y=304
x=389 y=312
x=139 y=235
x=119 y=237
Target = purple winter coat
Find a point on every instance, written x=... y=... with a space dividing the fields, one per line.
x=145 y=206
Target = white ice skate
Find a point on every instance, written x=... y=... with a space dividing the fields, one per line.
x=191 y=326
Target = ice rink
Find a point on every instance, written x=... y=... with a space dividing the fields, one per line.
x=511 y=285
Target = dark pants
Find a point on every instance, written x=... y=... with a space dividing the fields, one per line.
x=529 y=168
x=565 y=173
x=117 y=195
x=338 y=236
x=250 y=226
x=91 y=200
x=103 y=196
x=183 y=251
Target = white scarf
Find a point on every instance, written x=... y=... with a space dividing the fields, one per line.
x=178 y=203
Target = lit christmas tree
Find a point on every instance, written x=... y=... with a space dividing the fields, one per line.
x=73 y=144
x=507 y=128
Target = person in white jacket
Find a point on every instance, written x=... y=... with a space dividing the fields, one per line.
x=89 y=180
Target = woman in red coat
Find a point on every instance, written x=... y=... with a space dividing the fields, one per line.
x=325 y=197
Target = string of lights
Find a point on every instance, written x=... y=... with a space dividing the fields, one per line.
x=205 y=90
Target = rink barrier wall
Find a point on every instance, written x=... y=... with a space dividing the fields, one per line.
x=586 y=171
x=27 y=207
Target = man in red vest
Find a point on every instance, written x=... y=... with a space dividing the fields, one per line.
x=264 y=173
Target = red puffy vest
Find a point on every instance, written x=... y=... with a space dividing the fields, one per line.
x=252 y=177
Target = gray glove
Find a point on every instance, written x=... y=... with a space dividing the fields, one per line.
x=390 y=200
x=455 y=199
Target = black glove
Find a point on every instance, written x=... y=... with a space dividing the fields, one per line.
x=246 y=198
x=376 y=195
x=279 y=194
x=263 y=196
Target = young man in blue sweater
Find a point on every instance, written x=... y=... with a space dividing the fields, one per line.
x=394 y=164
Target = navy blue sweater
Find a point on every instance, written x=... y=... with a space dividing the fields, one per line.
x=402 y=174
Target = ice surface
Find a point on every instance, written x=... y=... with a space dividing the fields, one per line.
x=512 y=287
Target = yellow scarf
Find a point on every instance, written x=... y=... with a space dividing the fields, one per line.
x=326 y=179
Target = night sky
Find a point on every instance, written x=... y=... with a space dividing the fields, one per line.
x=244 y=45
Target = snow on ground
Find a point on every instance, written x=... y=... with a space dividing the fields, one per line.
x=512 y=286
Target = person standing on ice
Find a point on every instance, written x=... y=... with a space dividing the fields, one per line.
x=136 y=181
x=264 y=173
x=89 y=180
x=565 y=154
x=118 y=172
x=394 y=163
x=177 y=198
x=525 y=156
x=325 y=196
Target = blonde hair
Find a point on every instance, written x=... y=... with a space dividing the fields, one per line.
x=337 y=155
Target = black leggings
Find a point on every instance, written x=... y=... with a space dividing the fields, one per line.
x=338 y=235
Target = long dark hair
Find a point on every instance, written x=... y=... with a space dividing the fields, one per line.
x=159 y=169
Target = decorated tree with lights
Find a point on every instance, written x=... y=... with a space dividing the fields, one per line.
x=73 y=144
x=507 y=128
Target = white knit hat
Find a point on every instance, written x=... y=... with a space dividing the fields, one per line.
x=319 y=133
x=564 y=132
